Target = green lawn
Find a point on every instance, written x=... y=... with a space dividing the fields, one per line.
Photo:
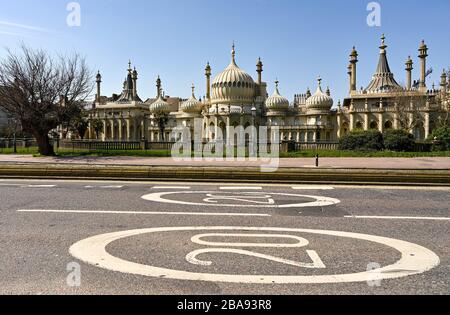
x=299 y=154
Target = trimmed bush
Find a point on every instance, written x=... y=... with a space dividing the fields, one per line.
x=441 y=139
x=399 y=140
x=371 y=140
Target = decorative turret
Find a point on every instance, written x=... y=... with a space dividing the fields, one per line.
x=129 y=93
x=423 y=54
x=208 y=81
x=158 y=86
x=99 y=82
x=259 y=70
x=134 y=77
x=444 y=84
x=409 y=68
x=353 y=62
x=320 y=102
x=276 y=102
x=192 y=105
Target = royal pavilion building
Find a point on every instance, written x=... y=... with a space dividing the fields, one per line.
x=235 y=98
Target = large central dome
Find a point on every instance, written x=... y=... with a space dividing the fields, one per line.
x=233 y=85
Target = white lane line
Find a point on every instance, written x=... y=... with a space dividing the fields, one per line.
x=218 y=214
x=171 y=187
x=312 y=187
x=112 y=187
x=397 y=218
x=240 y=188
x=39 y=186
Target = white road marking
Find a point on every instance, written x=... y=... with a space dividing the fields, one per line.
x=39 y=186
x=415 y=259
x=218 y=214
x=240 y=188
x=171 y=187
x=301 y=242
x=312 y=187
x=111 y=187
x=316 y=264
x=319 y=201
x=397 y=217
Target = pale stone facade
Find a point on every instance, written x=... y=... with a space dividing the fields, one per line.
x=233 y=98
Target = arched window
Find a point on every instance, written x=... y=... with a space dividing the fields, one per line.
x=359 y=125
x=388 y=125
x=373 y=125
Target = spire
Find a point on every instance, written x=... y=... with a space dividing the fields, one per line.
x=129 y=66
x=276 y=86
x=233 y=54
x=319 y=84
x=328 y=91
x=383 y=78
x=193 y=90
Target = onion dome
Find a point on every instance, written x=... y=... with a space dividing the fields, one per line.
x=160 y=106
x=192 y=105
x=320 y=101
x=276 y=102
x=233 y=85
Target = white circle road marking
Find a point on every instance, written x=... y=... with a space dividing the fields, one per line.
x=320 y=201
x=415 y=258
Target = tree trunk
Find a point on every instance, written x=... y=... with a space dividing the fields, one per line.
x=45 y=148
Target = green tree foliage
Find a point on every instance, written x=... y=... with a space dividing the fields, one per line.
x=441 y=138
x=399 y=140
x=362 y=140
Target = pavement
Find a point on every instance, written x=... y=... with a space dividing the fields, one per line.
x=113 y=237
x=428 y=163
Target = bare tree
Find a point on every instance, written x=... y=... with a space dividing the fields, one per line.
x=42 y=92
x=407 y=107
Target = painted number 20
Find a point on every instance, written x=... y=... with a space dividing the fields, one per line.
x=225 y=247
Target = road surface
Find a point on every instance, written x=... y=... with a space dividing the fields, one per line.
x=74 y=237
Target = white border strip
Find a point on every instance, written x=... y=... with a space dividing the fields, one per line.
x=312 y=187
x=171 y=187
x=241 y=188
x=397 y=218
x=218 y=214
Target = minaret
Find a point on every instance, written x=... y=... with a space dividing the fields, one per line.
x=135 y=77
x=259 y=69
x=208 y=81
x=328 y=91
x=349 y=72
x=308 y=93
x=444 y=83
x=99 y=82
x=158 y=87
x=409 y=68
x=423 y=54
x=353 y=62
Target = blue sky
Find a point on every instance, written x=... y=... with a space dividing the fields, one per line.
x=296 y=39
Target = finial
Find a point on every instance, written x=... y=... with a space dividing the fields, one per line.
x=319 y=80
x=233 y=52
x=129 y=65
x=193 y=90
x=383 y=43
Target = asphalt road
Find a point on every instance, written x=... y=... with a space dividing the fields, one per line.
x=193 y=238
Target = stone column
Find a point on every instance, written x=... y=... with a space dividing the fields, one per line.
x=120 y=122
x=427 y=125
x=128 y=129
x=381 y=122
x=339 y=125
x=105 y=128
x=113 y=136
